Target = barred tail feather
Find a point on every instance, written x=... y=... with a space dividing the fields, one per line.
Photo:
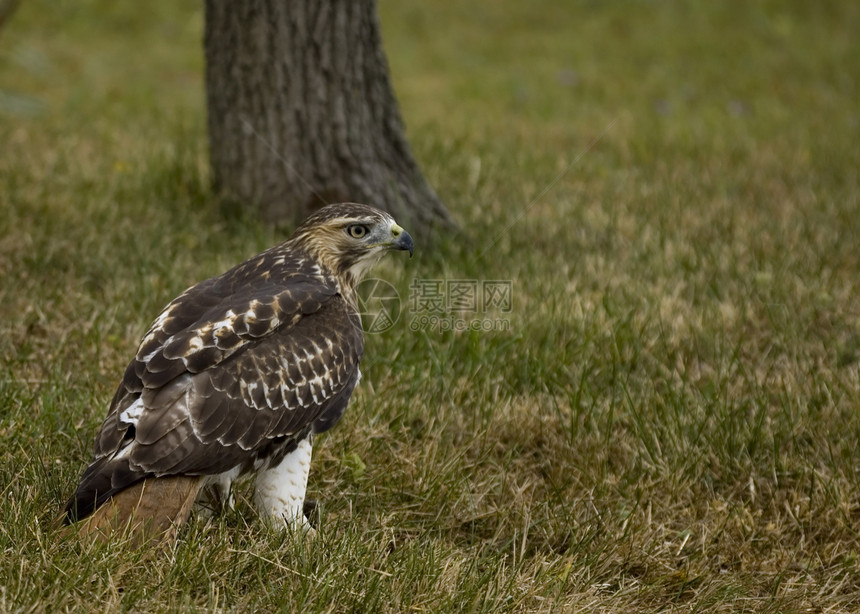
x=149 y=510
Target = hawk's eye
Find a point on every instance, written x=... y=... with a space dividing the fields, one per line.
x=357 y=231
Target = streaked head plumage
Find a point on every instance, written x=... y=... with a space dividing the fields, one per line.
x=349 y=238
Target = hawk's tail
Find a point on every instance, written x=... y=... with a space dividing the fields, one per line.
x=151 y=509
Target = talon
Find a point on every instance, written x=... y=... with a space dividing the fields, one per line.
x=311 y=510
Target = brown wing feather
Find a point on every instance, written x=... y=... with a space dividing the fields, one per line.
x=241 y=425
x=223 y=372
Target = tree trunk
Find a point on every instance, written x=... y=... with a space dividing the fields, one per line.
x=301 y=111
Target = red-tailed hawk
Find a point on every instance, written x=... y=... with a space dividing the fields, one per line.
x=234 y=377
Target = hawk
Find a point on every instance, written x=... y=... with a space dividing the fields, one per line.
x=234 y=378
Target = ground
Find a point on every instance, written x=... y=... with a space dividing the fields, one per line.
x=665 y=418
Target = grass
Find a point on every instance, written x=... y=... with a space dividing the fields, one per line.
x=669 y=424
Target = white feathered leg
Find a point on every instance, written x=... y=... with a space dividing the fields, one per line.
x=280 y=490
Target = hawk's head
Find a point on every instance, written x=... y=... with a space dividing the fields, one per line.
x=349 y=238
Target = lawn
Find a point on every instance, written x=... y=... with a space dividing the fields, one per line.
x=666 y=418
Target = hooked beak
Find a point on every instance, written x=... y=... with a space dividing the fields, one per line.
x=402 y=239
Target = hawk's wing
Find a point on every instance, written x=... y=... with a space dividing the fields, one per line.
x=229 y=372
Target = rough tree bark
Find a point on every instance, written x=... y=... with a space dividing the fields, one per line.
x=302 y=113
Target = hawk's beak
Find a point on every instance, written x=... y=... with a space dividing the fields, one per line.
x=402 y=239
